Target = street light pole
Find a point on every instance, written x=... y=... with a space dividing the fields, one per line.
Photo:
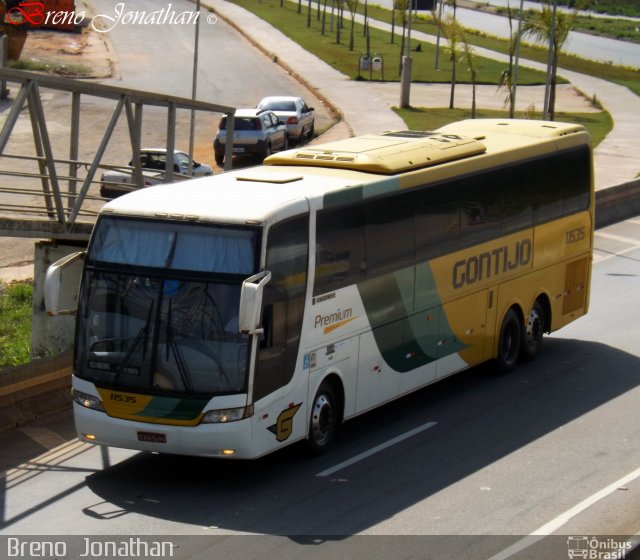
x=405 y=78
x=194 y=83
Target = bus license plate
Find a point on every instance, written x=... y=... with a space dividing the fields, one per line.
x=154 y=437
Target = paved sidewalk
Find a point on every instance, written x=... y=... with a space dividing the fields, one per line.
x=366 y=106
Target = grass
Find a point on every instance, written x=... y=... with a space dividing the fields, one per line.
x=73 y=70
x=294 y=25
x=289 y=22
x=598 y=124
x=629 y=8
x=623 y=30
x=15 y=323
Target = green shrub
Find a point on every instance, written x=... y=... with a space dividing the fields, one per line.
x=15 y=323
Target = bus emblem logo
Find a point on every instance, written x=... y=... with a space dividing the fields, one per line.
x=283 y=428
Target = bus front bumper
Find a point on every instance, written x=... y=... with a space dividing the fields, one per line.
x=225 y=441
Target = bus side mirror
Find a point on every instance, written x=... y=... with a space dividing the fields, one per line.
x=251 y=302
x=53 y=284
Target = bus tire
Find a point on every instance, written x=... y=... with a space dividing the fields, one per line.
x=533 y=330
x=324 y=419
x=509 y=341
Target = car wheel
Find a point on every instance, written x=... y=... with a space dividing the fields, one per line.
x=267 y=151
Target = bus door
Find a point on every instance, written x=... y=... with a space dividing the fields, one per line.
x=283 y=311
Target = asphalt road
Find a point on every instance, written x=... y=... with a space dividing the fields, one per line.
x=591 y=47
x=473 y=467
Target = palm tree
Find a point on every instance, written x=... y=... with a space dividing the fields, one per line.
x=541 y=27
x=469 y=57
x=506 y=77
x=452 y=31
x=352 y=6
x=402 y=6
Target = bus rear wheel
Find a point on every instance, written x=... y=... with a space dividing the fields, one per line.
x=509 y=341
x=324 y=420
x=533 y=331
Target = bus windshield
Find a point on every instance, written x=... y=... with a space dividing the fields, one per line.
x=171 y=327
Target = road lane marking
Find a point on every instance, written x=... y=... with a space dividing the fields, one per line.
x=376 y=449
x=565 y=517
x=609 y=255
x=614 y=237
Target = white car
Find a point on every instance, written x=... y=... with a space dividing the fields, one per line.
x=295 y=113
x=120 y=181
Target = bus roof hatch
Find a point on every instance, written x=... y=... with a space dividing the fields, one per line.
x=389 y=152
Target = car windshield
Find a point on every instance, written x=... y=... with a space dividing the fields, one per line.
x=279 y=106
x=164 y=330
x=241 y=123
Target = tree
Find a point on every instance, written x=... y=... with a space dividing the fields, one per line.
x=393 y=21
x=324 y=18
x=469 y=57
x=541 y=27
x=402 y=6
x=352 y=6
x=452 y=31
x=506 y=77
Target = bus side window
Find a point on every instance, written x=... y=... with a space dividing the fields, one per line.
x=481 y=210
x=389 y=235
x=340 y=250
x=437 y=222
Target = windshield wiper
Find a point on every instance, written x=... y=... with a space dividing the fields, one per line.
x=142 y=334
x=183 y=369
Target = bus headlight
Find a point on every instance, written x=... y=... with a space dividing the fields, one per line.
x=227 y=415
x=88 y=401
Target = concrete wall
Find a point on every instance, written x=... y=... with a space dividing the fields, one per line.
x=35 y=391
x=617 y=203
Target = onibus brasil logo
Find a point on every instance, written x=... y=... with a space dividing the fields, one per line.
x=597 y=548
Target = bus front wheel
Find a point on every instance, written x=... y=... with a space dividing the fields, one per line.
x=509 y=341
x=324 y=420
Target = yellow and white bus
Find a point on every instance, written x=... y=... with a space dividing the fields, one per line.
x=233 y=315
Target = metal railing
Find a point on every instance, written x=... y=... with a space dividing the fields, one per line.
x=66 y=212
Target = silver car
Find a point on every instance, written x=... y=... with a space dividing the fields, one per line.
x=256 y=132
x=296 y=114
